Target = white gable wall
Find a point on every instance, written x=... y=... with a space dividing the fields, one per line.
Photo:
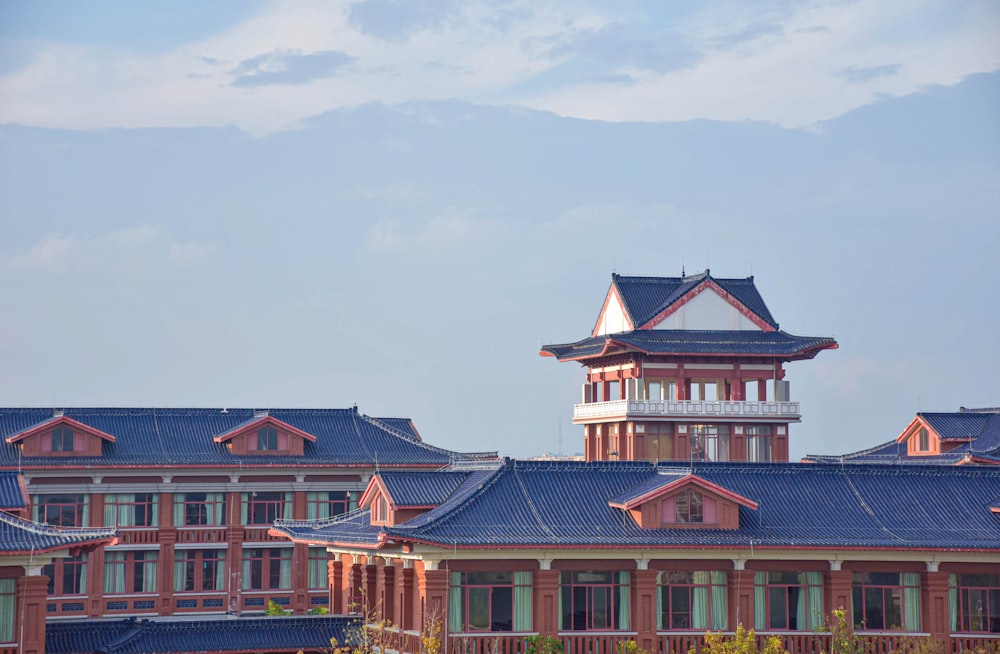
x=613 y=319
x=708 y=310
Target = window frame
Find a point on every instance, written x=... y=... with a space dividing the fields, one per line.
x=61 y=437
x=866 y=585
x=759 y=437
x=267 y=439
x=69 y=571
x=262 y=565
x=574 y=591
x=261 y=504
x=196 y=576
x=964 y=586
x=670 y=583
x=685 y=512
x=8 y=599
x=494 y=587
x=198 y=509
x=710 y=442
x=319 y=505
x=149 y=505
x=137 y=569
x=75 y=504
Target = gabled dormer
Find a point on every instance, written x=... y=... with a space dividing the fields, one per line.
x=683 y=501
x=61 y=436
x=922 y=439
x=265 y=435
x=396 y=497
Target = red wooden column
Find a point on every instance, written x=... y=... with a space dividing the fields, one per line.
x=838 y=590
x=387 y=579
x=335 y=581
x=300 y=579
x=936 y=617
x=433 y=585
x=165 y=571
x=740 y=593
x=368 y=596
x=405 y=609
x=31 y=590
x=545 y=603
x=644 y=606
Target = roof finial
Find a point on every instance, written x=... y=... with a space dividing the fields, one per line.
x=682 y=268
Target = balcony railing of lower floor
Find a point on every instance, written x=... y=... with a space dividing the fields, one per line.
x=691 y=409
x=685 y=642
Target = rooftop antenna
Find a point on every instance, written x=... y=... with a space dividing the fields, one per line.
x=682 y=267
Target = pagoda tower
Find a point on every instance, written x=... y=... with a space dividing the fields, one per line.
x=684 y=369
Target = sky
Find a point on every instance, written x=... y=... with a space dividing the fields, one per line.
x=396 y=203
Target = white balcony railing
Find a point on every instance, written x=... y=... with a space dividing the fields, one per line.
x=695 y=409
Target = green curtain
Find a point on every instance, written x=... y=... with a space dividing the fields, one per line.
x=352 y=501
x=178 y=509
x=522 y=600
x=117 y=511
x=624 y=599
x=83 y=573
x=317 y=576
x=180 y=570
x=216 y=508
x=114 y=572
x=246 y=570
x=911 y=601
x=285 y=569
x=36 y=509
x=802 y=605
x=220 y=569
x=244 y=508
x=286 y=513
x=85 y=515
x=759 y=601
x=154 y=511
x=149 y=572
x=814 y=581
x=312 y=506
x=720 y=607
x=8 y=593
x=659 y=600
x=456 y=621
x=953 y=603
x=699 y=600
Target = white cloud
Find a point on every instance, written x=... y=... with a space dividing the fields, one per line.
x=450 y=231
x=779 y=65
x=135 y=248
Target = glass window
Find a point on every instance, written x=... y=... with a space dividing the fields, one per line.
x=8 y=593
x=267 y=438
x=130 y=572
x=131 y=509
x=199 y=570
x=267 y=569
x=263 y=508
x=688 y=507
x=788 y=601
x=197 y=509
x=693 y=600
x=594 y=601
x=317 y=568
x=709 y=442
x=659 y=441
x=60 y=510
x=886 y=600
x=758 y=443
x=975 y=603
x=923 y=440
x=67 y=576
x=62 y=439
x=490 y=601
x=327 y=504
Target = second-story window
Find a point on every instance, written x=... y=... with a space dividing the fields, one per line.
x=710 y=442
x=263 y=508
x=199 y=509
x=200 y=570
x=60 y=510
x=758 y=443
x=130 y=572
x=62 y=439
x=267 y=439
x=326 y=504
x=67 y=576
x=131 y=510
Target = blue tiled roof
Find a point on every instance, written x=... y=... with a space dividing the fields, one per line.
x=662 y=478
x=11 y=494
x=684 y=341
x=17 y=535
x=553 y=504
x=976 y=432
x=215 y=635
x=158 y=437
x=646 y=297
x=428 y=490
x=349 y=528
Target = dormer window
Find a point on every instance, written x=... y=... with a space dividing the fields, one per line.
x=688 y=507
x=62 y=439
x=923 y=440
x=267 y=439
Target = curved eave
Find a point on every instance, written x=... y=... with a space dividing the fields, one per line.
x=74 y=546
x=564 y=352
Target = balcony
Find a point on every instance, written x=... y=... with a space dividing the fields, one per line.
x=693 y=410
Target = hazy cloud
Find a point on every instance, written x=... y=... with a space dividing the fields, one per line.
x=397 y=19
x=289 y=68
x=858 y=74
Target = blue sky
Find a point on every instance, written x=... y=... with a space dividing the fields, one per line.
x=396 y=203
